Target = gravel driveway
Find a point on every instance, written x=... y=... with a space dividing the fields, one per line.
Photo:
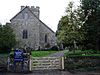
x=57 y=54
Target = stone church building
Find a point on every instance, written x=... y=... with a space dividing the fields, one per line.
x=30 y=31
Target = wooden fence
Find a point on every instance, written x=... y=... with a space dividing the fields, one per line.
x=46 y=63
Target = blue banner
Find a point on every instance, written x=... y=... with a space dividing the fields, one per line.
x=18 y=55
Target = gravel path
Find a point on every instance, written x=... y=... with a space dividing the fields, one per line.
x=57 y=54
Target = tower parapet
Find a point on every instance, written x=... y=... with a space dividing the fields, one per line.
x=35 y=10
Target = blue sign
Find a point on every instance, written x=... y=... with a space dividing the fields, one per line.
x=18 y=55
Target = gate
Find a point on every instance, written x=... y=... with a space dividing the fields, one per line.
x=46 y=63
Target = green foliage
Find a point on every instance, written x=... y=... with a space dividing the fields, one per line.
x=92 y=25
x=82 y=53
x=54 y=48
x=7 y=38
x=81 y=26
x=69 y=31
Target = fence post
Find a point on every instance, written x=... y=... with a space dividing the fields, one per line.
x=62 y=63
x=30 y=63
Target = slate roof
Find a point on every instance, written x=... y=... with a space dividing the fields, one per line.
x=34 y=15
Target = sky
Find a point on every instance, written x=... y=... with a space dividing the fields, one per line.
x=50 y=10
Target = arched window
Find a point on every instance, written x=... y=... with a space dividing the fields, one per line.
x=46 y=38
x=25 y=34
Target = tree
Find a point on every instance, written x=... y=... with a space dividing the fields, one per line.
x=68 y=31
x=92 y=25
x=7 y=38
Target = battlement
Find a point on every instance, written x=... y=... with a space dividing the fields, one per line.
x=35 y=10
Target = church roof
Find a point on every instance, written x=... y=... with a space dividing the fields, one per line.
x=34 y=15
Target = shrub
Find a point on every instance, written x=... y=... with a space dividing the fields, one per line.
x=47 y=45
x=55 y=48
x=4 y=50
x=7 y=38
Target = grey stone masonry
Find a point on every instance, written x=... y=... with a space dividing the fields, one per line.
x=30 y=31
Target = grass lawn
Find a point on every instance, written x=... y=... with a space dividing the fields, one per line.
x=82 y=53
x=39 y=53
x=42 y=53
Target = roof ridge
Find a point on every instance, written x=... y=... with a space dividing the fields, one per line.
x=41 y=21
x=35 y=16
x=18 y=13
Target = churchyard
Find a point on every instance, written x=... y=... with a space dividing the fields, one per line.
x=72 y=60
x=76 y=42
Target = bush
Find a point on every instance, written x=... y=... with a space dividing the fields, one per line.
x=47 y=45
x=55 y=48
x=7 y=38
x=4 y=50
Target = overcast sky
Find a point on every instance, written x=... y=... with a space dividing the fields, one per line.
x=50 y=10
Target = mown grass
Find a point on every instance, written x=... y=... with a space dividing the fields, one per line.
x=82 y=53
x=38 y=53
x=41 y=53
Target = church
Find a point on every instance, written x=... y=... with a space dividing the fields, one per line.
x=30 y=31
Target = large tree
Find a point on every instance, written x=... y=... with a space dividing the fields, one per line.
x=7 y=38
x=92 y=25
x=68 y=31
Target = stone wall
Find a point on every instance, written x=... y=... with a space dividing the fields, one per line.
x=26 y=20
x=51 y=38
x=31 y=25
x=82 y=63
x=3 y=62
